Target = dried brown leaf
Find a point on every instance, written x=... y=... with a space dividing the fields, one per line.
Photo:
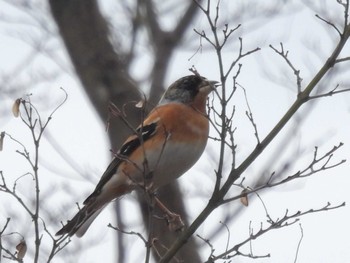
x=21 y=249
x=244 y=198
x=15 y=107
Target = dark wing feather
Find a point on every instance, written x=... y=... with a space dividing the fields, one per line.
x=143 y=134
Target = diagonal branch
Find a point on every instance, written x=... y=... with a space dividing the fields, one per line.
x=218 y=196
x=285 y=221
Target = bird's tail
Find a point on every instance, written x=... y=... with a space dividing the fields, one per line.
x=80 y=222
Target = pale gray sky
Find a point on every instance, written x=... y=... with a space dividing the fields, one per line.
x=270 y=86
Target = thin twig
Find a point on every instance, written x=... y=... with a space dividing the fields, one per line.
x=285 y=221
x=299 y=243
x=249 y=114
x=339 y=60
x=309 y=170
x=133 y=233
x=330 y=24
x=207 y=241
x=219 y=194
x=284 y=55
x=330 y=93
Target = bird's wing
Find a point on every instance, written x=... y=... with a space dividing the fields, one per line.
x=143 y=133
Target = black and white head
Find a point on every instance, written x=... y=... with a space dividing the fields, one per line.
x=186 y=89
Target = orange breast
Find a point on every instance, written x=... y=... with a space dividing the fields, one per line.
x=183 y=122
x=179 y=141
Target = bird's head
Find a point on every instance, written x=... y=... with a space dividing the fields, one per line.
x=188 y=90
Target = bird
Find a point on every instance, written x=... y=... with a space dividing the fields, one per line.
x=168 y=142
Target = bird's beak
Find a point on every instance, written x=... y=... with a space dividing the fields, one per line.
x=209 y=86
x=214 y=84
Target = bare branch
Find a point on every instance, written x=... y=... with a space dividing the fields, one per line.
x=330 y=93
x=286 y=220
x=129 y=233
x=228 y=235
x=249 y=114
x=4 y=188
x=339 y=60
x=240 y=56
x=5 y=226
x=202 y=34
x=299 y=243
x=207 y=241
x=346 y=12
x=314 y=167
x=57 y=244
x=227 y=33
x=284 y=55
x=330 y=24
x=218 y=195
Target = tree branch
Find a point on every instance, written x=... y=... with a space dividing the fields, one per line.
x=218 y=196
x=285 y=221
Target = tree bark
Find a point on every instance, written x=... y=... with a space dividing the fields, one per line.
x=99 y=68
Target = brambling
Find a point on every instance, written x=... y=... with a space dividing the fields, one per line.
x=168 y=143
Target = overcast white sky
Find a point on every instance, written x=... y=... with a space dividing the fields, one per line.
x=270 y=86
